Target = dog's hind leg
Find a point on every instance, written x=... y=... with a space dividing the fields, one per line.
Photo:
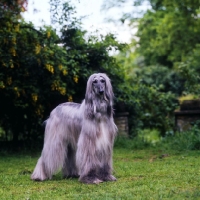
x=39 y=171
x=54 y=151
x=51 y=160
x=69 y=169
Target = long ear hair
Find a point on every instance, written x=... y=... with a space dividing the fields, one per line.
x=108 y=95
x=109 y=91
x=89 y=98
x=89 y=95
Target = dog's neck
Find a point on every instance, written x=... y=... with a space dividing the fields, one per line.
x=100 y=106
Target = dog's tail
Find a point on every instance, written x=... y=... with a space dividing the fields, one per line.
x=44 y=123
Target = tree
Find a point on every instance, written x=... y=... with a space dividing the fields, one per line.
x=31 y=66
x=169 y=32
x=174 y=27
x=40 y=68
x=162 y=61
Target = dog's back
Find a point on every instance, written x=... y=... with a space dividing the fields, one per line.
x=67 y=119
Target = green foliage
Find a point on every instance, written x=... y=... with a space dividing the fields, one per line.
x=152 y=92
x=189 y=69
x=30 y=63
x=151 y=138
x=40 y=68
x=141 y=174
x=187 y=140
x=136 y=143
x=162 y=62
x=169 y=35
x=152 y=109
x=167 y=80
x=173 y=31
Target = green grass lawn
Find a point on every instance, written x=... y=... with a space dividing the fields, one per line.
x=141 y=174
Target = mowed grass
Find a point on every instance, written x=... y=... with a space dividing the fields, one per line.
x=141 y=174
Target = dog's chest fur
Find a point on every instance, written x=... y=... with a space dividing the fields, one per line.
x=103 y=137
x=101 y=116
x=101 y=106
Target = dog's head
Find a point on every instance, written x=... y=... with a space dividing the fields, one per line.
x=99 y=86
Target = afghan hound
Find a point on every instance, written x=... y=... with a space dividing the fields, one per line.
x=79 y=137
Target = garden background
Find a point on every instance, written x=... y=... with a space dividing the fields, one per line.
x=151 y=76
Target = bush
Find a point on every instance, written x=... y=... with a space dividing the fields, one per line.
x=145 y=138
x=150 y=138
x=168 y=80
x=152 y=109
x=133 y=143
x=187 y=140
x=152 y=92
x=41 y=69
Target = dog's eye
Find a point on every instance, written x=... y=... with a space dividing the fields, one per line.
x=102 y=81
x=95 y=81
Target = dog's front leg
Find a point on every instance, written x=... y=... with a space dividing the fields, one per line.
x=87 y=160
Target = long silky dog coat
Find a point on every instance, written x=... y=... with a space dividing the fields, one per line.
x=79 y=137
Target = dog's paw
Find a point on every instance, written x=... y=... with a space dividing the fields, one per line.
x=71 y=176
x=97 y=181
x=38 y=178
x=90 y=180
x=109 y=178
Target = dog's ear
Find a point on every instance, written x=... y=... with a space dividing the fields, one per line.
x=89 y=96
x=109 y=95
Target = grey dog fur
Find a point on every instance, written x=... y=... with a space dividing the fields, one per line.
x=79 y=137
